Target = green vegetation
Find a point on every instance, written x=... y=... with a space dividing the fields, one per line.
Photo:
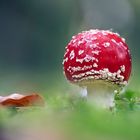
x=73 y=117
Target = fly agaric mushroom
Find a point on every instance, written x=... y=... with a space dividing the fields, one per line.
x=100 y=62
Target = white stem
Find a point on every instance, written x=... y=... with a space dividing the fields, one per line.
x=83 y=92
x=101 y=96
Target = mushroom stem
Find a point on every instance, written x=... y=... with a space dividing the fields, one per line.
x=101 y=97
x=83 y=92
x=100 y=94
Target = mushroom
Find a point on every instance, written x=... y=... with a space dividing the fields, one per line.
x=99 y=61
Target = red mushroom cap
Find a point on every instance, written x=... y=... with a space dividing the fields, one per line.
x=97 y=55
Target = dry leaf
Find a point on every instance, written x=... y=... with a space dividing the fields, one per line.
x=19 y=100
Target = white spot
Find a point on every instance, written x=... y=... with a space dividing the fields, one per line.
x=118 y=72
x=117 y=43
x=67 y=50
x=79 y=60
x=122 y=68
x=104 y=33
x=96 y=60
x=69 y=69
x=79 y=75
x=65 y=60
x=80 y=52
x=117 y=34
x=80 y=42
x=72 y=54
x=124 y=83
x=93 y=31
x=123 y=39
x=75 y=69
x=73 y=37
x=74 y=40
x=95 y=65
x=87 y=67
x=94 y=38
x=89 y=58
x=121 y=44
x=79 y=69
x=119 y=76
x=93 y=46
x=113 y=40
x=106 y=44
x=96 y=52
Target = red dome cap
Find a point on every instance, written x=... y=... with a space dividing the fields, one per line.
x=97 y=55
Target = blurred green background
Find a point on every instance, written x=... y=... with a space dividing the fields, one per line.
x=34 y=33
x=33 y=36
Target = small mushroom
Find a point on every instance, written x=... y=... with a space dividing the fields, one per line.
x=99 y=61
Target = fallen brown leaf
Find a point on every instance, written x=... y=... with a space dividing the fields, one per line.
x=19 y=100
